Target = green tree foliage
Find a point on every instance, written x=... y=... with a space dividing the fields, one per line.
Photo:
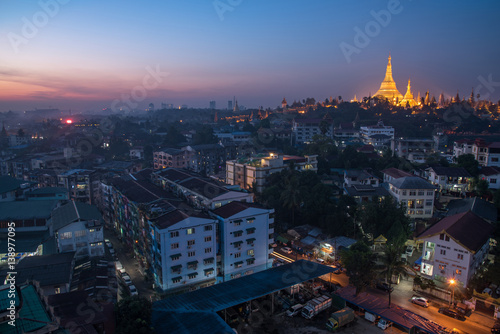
x=482 y=187
x=392 y=266
x=173 y=137
x=359 y=262
x=386 y=218
x=133 y=316
x=468 y=162
x=205 y=135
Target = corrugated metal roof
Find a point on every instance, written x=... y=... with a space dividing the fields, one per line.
x=176 y=313
x=74 y=211
x=19 y=210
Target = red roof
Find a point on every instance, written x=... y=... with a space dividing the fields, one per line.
x=466 y=228
x=396 y=173
x=235 y=207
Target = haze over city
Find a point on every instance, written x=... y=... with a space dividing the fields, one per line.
x=84 y=55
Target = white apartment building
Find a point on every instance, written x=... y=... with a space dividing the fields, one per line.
x=461 y=147
x=360 y=177
x=304 y=129
x=455 y=247
x=492 y=175
x=252 y=172
x=394 y=173
x=184 y=250
x=246 y=233
x=377 y=135
x=454 y=179
x=78 y=227
x=416 y=194
x=487 y=154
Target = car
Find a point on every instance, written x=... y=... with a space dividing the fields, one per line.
x=384 y=286
x=420 y=301
x=294 y=310
x=133 y=290
x=274 y=245
x=451 y=313
x=320 y=260
x=409 y=251
x=127 y=280
x=287 y=250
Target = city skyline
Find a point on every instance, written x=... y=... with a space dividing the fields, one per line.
x=70 y=55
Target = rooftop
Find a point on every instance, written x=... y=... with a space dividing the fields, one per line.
x=451 y=171
x=46 y=269
x=8 y=183
x=411 y=182
x=480 y=207
x=234 y=208
x=396 y=173
x=25 y=210
x=467 y=229
x=72 y=212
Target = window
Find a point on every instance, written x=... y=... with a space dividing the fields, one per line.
x=443 y=252
x=175 y=257
x=190 y=242
x=174 y=234
x=237 y=255
x=238 y=233
x=66 y=235
x=494 y=159
x=250 y=252
x=428 y=202
x=420 y=193
x=208 y=227
x=81 y=233
x=251 y=230
x=192 y=275
x=191 y=254
x=174 y=246
x=442 y=267
x=458 y=272
x=210 y=260
x=250 y=261
x=209 y=238
x=190 y=230
x=208 y=250
x=271 y=215
x=250 y=220
x=446 y=238
x=460 y=256
x=441 y=236
x=403 y=193
x=237 y=222
x=238 y=264
x=176 y=279
x=430 y=193
x=493 y=180
x=57 y=289
x=413 y=193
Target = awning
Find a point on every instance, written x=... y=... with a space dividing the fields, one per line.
x=237 y=263
x=251 y=240
x=238 y=221
x=251 y=229
x=175 y=255
x=176 y=278
x=251 y=218
x=250 y=260
x=192 y=263
x=237 y=243
x=208 y=270
x=236 y=232
x=192 y=275
x=208 y=259
x=177 y=267
x=419 y=261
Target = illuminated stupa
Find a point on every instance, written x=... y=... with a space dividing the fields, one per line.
x=408 y=99
x=388 y=88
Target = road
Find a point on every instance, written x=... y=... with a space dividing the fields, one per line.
x=401 y=296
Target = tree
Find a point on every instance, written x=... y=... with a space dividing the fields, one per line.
x=359 y=262
x=205 y=135
x=482 y=187
x=20 y=133
x=173 y=136
x=133 y=316
x=392 y=264
x=291 y=196
x=469 y=162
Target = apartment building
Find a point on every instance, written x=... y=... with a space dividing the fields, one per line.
x=415 y=194
x=378 y=135
x=170 y=157
x=455 y=247
x=304 y=129
x=246 y=233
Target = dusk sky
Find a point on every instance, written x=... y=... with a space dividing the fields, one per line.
x=86 y=55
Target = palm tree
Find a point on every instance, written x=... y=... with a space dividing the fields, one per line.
x=392 y=265
x=290 y=196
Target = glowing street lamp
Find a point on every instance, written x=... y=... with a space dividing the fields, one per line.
x=452 y=283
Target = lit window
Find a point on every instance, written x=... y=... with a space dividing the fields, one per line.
x=190 y=230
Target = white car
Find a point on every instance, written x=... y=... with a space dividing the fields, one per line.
x=420 y=301
x=133 y=290
x=127 y=280
x=287 y=250
x=409 y=251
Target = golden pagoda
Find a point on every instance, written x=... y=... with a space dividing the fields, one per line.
x=408 y=99
x=388 y=88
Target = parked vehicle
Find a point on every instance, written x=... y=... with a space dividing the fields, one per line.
x=384 y=323
x=420 y=301
x=127 y=280
x=291 y=290
x=294 y=310
x=452 y=313
x=118 y=266
x=370 y=317
x=340 y=318
x=409 y=251
x=133 y=290
x=384 y=286
x=315 y=306
x=287 y=250
x=231 y=315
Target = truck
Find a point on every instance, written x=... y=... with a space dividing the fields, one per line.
x=383 y=323
x=315 y=306
x=370 y=317
x=340 y=318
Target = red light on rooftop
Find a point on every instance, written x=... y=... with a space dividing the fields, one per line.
x=69 y=121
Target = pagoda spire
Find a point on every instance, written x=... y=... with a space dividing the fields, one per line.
x=388 y=88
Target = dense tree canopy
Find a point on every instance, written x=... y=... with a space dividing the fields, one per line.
x=133 y=316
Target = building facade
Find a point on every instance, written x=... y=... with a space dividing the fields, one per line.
x=415 y=194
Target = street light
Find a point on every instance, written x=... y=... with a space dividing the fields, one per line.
x=452 y=283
